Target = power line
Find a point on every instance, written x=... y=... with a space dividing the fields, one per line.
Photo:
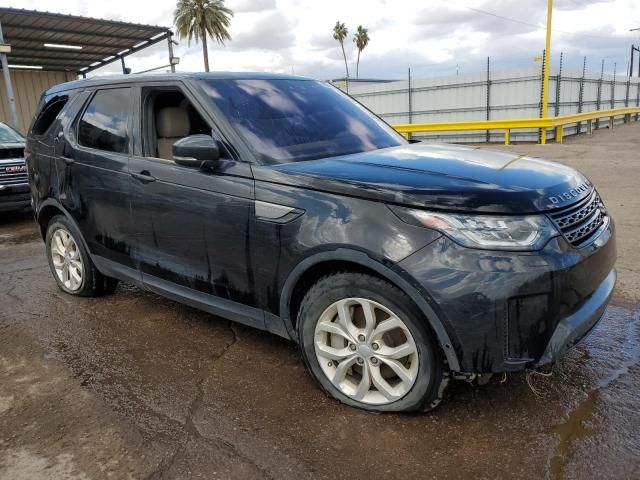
x=502 y=17
x=515 y=20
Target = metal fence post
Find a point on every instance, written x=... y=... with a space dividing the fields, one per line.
x=637 y=95
x=613 y=94
x=488 y=133
x=599 y=93
x=542 y=133
x=626 y=97
x=409 y=92
x=613 y=87
x=581 y=92
x=558 y=88
x=409 y=99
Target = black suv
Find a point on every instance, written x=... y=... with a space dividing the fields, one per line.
x=14 y=186
x=281 y=203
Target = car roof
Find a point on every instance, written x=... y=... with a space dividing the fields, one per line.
x=139 y=78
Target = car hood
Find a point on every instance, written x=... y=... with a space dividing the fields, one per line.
x=442 y=177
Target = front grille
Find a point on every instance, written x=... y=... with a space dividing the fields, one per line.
x=580 y=221
x=11 y=153
x=10 y=176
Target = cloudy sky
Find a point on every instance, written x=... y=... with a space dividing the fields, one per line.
x=431 y=36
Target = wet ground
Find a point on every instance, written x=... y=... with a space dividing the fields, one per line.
x=136 y=386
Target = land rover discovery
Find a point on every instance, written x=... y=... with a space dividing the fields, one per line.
x=281 y=203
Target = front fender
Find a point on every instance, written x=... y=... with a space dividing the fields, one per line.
x=395 y=277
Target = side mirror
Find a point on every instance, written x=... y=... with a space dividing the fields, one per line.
x=193 y=150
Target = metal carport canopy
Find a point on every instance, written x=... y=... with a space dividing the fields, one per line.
x=56 y=41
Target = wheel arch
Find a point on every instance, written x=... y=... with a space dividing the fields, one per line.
x=49 y=209
x=312 y=268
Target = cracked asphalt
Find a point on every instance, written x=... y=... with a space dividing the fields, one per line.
x=136 y=386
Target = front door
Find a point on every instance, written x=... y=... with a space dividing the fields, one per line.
x=192 y=225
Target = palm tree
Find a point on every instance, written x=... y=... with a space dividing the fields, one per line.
x=202 y=19
x=361 y=39
x=340 y=33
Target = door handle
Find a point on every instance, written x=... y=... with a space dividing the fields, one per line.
x=144 y=176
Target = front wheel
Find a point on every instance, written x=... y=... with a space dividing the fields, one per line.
x=368 y=345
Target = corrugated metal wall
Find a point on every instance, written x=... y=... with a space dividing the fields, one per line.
x=27 y=87
x=513 y=93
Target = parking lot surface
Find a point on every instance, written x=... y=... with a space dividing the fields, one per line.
x=136 y=386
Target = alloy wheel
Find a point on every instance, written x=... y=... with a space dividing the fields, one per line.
x=366 y=351
x=66 y=259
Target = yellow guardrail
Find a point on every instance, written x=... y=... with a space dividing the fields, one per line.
x=517 y=123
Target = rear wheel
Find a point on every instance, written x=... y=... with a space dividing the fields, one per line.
x=368 y=345
x=70 y=263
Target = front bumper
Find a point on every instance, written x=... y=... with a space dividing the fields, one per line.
x=14 y=197
x=576 y=326
x=506 y=311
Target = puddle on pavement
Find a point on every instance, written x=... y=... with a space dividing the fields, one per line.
x=7 y=239
x=606 y=341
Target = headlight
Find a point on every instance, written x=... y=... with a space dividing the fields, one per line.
x=524 y=233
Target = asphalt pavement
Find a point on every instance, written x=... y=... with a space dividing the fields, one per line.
x=136 y=386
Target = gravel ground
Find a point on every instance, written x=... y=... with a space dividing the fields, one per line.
x=136 y=386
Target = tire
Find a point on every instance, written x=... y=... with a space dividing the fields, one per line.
x=70 y=263
x=415 y=382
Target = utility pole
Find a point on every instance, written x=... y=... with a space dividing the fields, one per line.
x=547 y=49
x=634 y=48
x=545 y=75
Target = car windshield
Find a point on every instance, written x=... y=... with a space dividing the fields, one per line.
x=288 y=120
x=8 y=134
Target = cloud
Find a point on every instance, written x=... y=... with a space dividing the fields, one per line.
x=431 y=36
x=450 y=19
x=577 y=4
x=265 y=31
x=322 y=41
x=247 y=6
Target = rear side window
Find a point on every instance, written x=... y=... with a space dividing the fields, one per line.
x=105 y=123
x=49 y=112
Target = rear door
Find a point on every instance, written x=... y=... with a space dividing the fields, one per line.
x=93 y=168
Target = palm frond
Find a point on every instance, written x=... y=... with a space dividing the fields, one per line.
x=192 y=18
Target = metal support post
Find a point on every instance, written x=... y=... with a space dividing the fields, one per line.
x=599 y=98
x=558 y=88
x=409 y=99
x=542 y=133
x=581 y=93
x=170 y=45
x=9 y=86
x=488 y=134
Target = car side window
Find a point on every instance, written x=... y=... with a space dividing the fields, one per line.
x=49 y=112
x=104 y=125
x=168 y=116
